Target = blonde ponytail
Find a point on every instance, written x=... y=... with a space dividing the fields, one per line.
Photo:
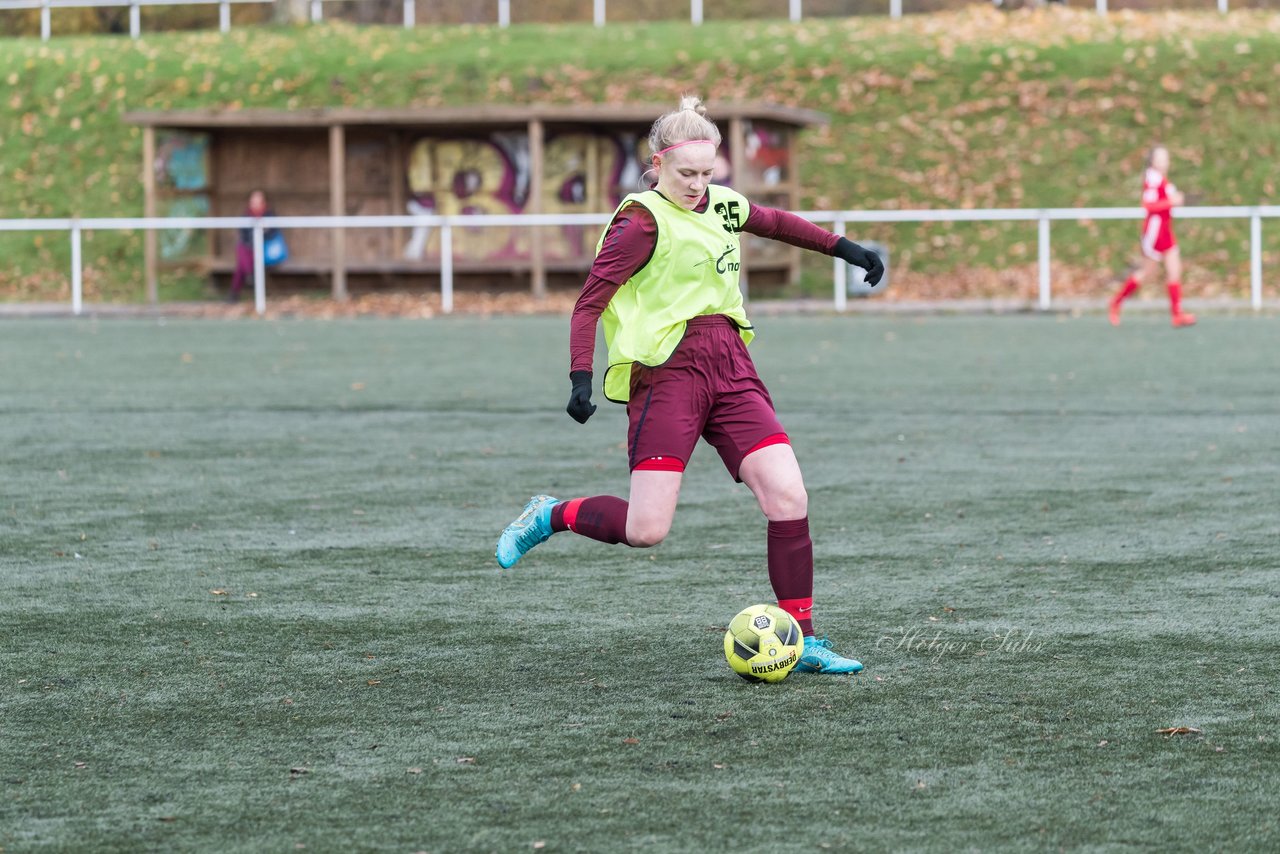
x=693 y=102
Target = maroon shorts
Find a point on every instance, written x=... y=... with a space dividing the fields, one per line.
x=708 y=388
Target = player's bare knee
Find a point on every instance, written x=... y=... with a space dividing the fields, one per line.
x=785 y=504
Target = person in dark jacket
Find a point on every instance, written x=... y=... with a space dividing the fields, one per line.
x=256 y=208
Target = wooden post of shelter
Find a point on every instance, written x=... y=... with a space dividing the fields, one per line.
x=536 y=149
x=539 y=272
x=215 y=208
x=149 y=254
x=338 y=206
x=397 y=177
x=595 y=186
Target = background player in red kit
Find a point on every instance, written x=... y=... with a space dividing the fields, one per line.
x=1159 y=197
x=665 y=284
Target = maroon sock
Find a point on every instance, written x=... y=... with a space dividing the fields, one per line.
x=601 y=517
x=791 y=569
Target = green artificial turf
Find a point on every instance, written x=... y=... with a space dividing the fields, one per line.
x=248 y=599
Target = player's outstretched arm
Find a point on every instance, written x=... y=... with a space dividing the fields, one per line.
x=788 y=228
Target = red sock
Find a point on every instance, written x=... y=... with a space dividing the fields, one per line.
x=601 y=517
x=1130 y=285
x=1175 y=298
x=791 y=569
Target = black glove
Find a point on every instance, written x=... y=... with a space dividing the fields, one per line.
x=580 y=407
x=852 y=253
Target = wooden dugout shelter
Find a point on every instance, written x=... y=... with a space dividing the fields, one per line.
x=453 y=160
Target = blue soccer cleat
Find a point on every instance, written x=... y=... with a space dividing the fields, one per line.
x=818 y=657
x=530 y=528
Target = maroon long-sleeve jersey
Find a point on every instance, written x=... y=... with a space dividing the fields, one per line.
x=628 y=245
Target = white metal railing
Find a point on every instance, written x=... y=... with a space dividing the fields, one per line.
x=840 y=220
x=46 y=8
x=599 y=10
x=1043 y=217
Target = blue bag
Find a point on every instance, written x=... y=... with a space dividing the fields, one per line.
x=274 y=249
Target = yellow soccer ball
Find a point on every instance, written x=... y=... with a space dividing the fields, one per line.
x=763 y=643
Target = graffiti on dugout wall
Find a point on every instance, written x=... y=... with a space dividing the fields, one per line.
x=582 y=173
x=182 y=171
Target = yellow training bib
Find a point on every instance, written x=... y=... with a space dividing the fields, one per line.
x=693 y=271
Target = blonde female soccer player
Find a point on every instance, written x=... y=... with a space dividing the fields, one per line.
x=1159 y=197
x=665 y=281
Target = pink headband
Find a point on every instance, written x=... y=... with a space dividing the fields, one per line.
x=686 y=142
